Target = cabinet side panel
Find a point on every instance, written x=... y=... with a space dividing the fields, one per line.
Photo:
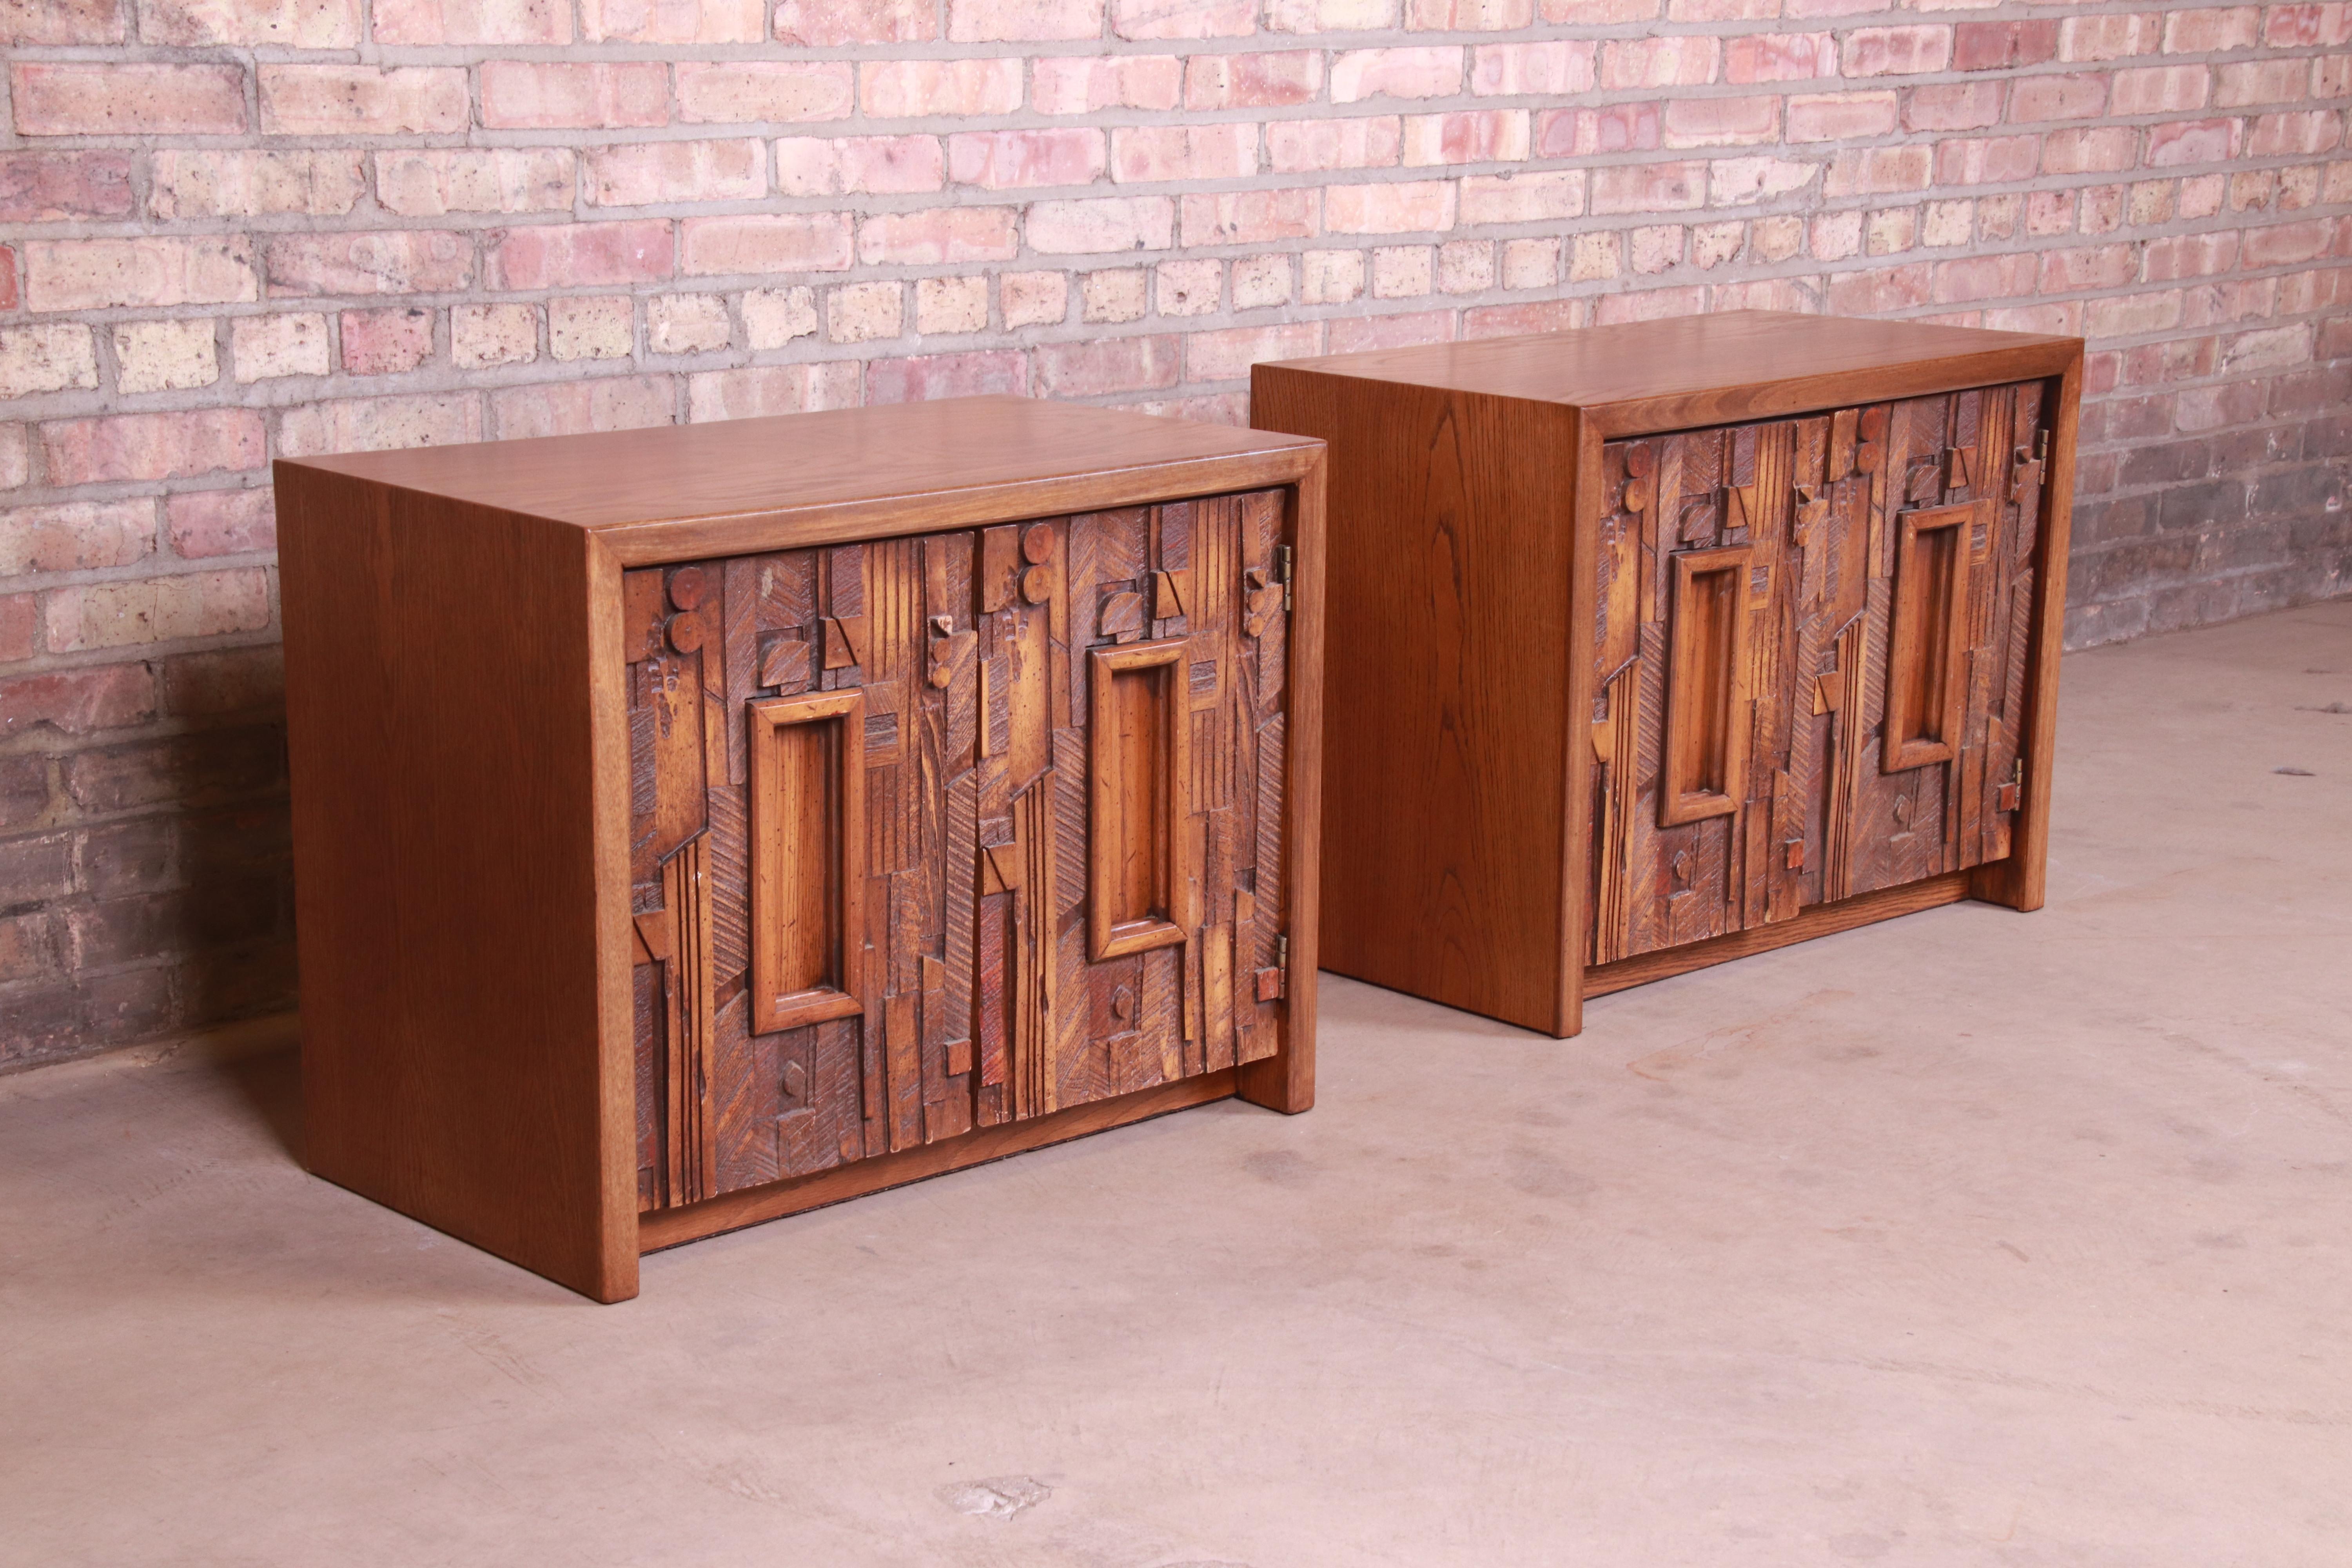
x=439 y=699
x=1448 y=599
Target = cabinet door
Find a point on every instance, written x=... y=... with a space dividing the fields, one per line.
x=1810 y=660
x=939 y=832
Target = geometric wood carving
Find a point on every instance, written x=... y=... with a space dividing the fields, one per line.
x=1706 y=759
x=1138 y=895
x=808 y=819
x=1924 y=681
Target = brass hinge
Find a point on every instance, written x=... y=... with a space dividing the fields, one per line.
x=1282 y=571
x=1273 y=983
x=2012 y=795
x=2041 y=445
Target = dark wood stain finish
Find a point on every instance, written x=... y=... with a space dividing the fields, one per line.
x=758 y=867
x=1805 y=577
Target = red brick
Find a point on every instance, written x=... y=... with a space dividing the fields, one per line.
x=892 y=166
x=219 y=182
x=78 y=702
x=1226 y=355
x=1066 y=84
x=1550 y=68
x=2003 y=45
x=220 y=764
x=9 y=292
x=2210 y=31
x=923 y=377
x=2076 y=97
x=380 y=423
x=202 y=523
x=157 y=609
x=2277 y=244
x=1984 y=277
x=1649 y=305
x=1676 y=60
x=2090 y=267
x=1841 y=116
x=434 y=22
x=19 y=625
x=386 y=343
x=1103 y=223
x=1465 y=136
x=579 y=407
x=540 y=95
x=1009 y=160
x=1092 y=368
x=2107 y=149
x=640 y=174
x=1410 y=207
x=922 y=90
x=1360 y=74
x=1534 y=196
x=1367 y=142
x=1903 y=288
x=765 y=389
x=584 y=255
x=2188 y=141
x=1277 y=79
x=91 y=99
x=76 y=536
x=1535 y=316
x=826 y=23
x=53 y=187
x=1357 y=335
x=1616 y=128
x=938 y=235
x=2303 y=26
x=414 y=261
x=1019 y=21
x=146 y=271
x=1896 y=51
x=224 y=682
x=763 y=92
x=2246 y=83
x=1988 y=161
x=1140 y=19
x=1153 y=153
x=2304 y=134
x=1648 y=188
x=2159 y=89
x=154 y=445
x=1780 y=56
x=1721 y=121
x=360 y=101
x=778 y=242
x=65 y=22
x=1252 y=218
x=2183 y=256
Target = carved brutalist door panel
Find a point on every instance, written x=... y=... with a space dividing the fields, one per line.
x=1810 y=660
x=940 y=832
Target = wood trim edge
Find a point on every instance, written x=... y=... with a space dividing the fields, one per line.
x=661 y=1228
x=1821 y=919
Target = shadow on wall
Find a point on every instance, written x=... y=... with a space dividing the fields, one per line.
x=146 y=885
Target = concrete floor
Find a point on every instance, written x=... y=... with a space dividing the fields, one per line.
x=1972 y=1238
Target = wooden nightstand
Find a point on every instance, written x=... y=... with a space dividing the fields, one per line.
x=697 y=825
x=1655 y=645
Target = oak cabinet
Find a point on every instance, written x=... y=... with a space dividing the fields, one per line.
x=798 y=806
x=1655 y=645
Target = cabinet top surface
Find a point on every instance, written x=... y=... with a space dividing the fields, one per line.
x=844 y=458
x=1684 y=355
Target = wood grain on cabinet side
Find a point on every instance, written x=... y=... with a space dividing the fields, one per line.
x=1448 y=604
x=446 y=753
x=2020 y=880
x=1285 y=1081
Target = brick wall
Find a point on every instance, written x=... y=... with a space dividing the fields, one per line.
x=235 y=229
